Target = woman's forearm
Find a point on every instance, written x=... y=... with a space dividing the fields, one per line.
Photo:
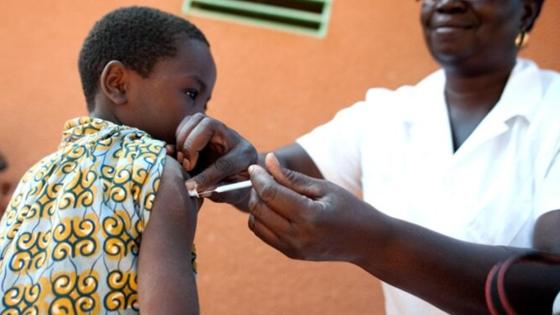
x=441 y=270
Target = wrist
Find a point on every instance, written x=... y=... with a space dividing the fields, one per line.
x=376 y=235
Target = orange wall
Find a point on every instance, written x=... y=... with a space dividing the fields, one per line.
x=272 y=86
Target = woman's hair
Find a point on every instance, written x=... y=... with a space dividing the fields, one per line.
x=539 y=7
x=136 y=36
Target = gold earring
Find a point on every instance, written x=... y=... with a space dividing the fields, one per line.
x=522 y=40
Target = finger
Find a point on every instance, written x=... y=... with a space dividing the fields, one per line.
x=185 y=127
x=266 y=235
x=207 y=132
x=184 y=131
x=233 y=164
x=180 y=157
x=284 y=201
x=191 y=186
x=170 y=150
x=272 y=220
x=296 y=181
x=185 y=164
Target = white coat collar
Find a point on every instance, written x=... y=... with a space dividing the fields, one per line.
x=520 y=97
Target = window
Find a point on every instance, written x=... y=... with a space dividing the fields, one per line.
x=301 y=16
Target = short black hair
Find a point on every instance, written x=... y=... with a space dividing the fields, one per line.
x=136 y=36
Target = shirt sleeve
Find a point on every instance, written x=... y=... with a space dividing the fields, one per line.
x=335 y=148
x=149 y=169
x=339 y=147
x=548 y=188
x=548 y=198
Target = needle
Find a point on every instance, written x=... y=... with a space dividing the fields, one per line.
x=220 y=189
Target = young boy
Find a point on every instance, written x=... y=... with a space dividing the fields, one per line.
x=109 y=207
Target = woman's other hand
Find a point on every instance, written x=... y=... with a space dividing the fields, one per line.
x=213 y=153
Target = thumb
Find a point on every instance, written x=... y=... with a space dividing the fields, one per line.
x=300 y=183
x=197 y=183
x=192 y=186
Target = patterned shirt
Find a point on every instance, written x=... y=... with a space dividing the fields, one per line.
x=69 y=239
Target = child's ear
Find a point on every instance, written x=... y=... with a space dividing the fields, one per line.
x=113 y=82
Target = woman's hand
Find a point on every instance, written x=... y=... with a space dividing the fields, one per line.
x=213 y=153
x=310 y=219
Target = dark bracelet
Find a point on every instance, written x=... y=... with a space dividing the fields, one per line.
x=497 y=300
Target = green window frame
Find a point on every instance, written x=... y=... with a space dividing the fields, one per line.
x=309 y=17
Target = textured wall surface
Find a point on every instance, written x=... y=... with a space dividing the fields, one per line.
x=272 y=86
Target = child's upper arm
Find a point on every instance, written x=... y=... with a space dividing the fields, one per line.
x=165 y=275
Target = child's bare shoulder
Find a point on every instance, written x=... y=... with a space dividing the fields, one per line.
x=172 y=195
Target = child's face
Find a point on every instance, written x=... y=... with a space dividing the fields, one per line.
x=176 y=87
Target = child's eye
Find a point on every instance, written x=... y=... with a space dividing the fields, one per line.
x=191 y=93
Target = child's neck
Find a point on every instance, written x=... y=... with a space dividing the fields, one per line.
x=105 y=116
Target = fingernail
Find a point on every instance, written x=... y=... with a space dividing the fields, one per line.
x=252 y=169
x=194 y=194
x=186 y=165
x=274 y=158
x=191 y=185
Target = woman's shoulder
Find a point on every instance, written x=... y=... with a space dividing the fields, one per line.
x=548 y=81
x=406 y=102
x=430 y=84
x=532 y=73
